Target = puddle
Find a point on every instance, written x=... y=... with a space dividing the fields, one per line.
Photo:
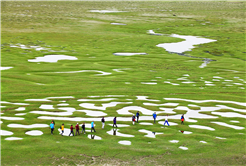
x=237 y=83
x=117 y=23
x=170 y=123
x=28 y=126
x=201 y=127
x=234 y=121
x=205 y=101
x=229 y=114
x=230 y=108
x=150 y=134
x=106 y=99
x=120 y=125
x=67 y=131
x=60 y=97
x=5 y=102
x=210 y=84
x=185 y=132
x=174 y=141
x=20 y=114
x=117 y=133
x=5 y=133
x=151 y=32
x=52 y=58
x=103 y=107
x=128 y=54
x=81 y=71
x=184 y=148
x=5 y=68
x=125 y=142
x=65 y=104
x=45 y=106
x=1 y=122
x=11 y=118
x=106 y=11
x=165 y=104
x=228 y=125
x=145 y=123
x=149 y=83
x=34 y=133
x=21 y=109
x=125 y=110
x=220 y=138
x=52 y=113
x=145 y=98
x=192 y=105
x=218 y=77
x=91 y=136
x=184 y=46
x=203 y=142
x=93 y=113
x=13 y=138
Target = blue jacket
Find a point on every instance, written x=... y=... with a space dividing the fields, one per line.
x=154 y=115
x=52 y=125
x=137 y=114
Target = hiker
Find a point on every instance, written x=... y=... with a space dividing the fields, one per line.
x=137 y=115
x=133 y=119
x=114 y=122
x=71 y=130
x=103 y=122
x=83 y=128
x=52 y=127
x=77 y=128
x=166 y=121
x=92 y=126
x=154 y=116
x=182 y=119
x=62 y=129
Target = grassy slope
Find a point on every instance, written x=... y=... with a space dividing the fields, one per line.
x=69 y=26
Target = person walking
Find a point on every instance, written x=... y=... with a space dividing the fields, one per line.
x=92 y=126
x=133 y=119
x=103 y=122
x=166 y=121
x=182 y=119
x=114 y=122
x=137 y=115
x=83 y=128
x=71 y=130
x=77 y=128
x=154 y=116
x=52 y=127
x=62 y=129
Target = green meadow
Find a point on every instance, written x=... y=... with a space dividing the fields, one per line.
x=70 y=28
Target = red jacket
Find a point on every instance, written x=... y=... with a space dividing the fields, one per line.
x=77 y=127
x=71 y=128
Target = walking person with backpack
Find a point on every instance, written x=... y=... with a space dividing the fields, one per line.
x=52 y=127
x=114 y=120
x=71 y=130
x=83 y=128
x=154 y=116
x=103 y=122
x=77 y=128
x=182 y=119
x=166 y=121
x=62 y=129
x=133 y=119
x=137 y=115
x=92 y=126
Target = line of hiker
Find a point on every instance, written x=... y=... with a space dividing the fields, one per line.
x=52 y=125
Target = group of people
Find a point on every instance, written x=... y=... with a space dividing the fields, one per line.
x=52 y=125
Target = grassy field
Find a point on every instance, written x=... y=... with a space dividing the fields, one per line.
x=69 y=28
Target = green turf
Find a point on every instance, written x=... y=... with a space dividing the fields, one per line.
x=70 y=27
